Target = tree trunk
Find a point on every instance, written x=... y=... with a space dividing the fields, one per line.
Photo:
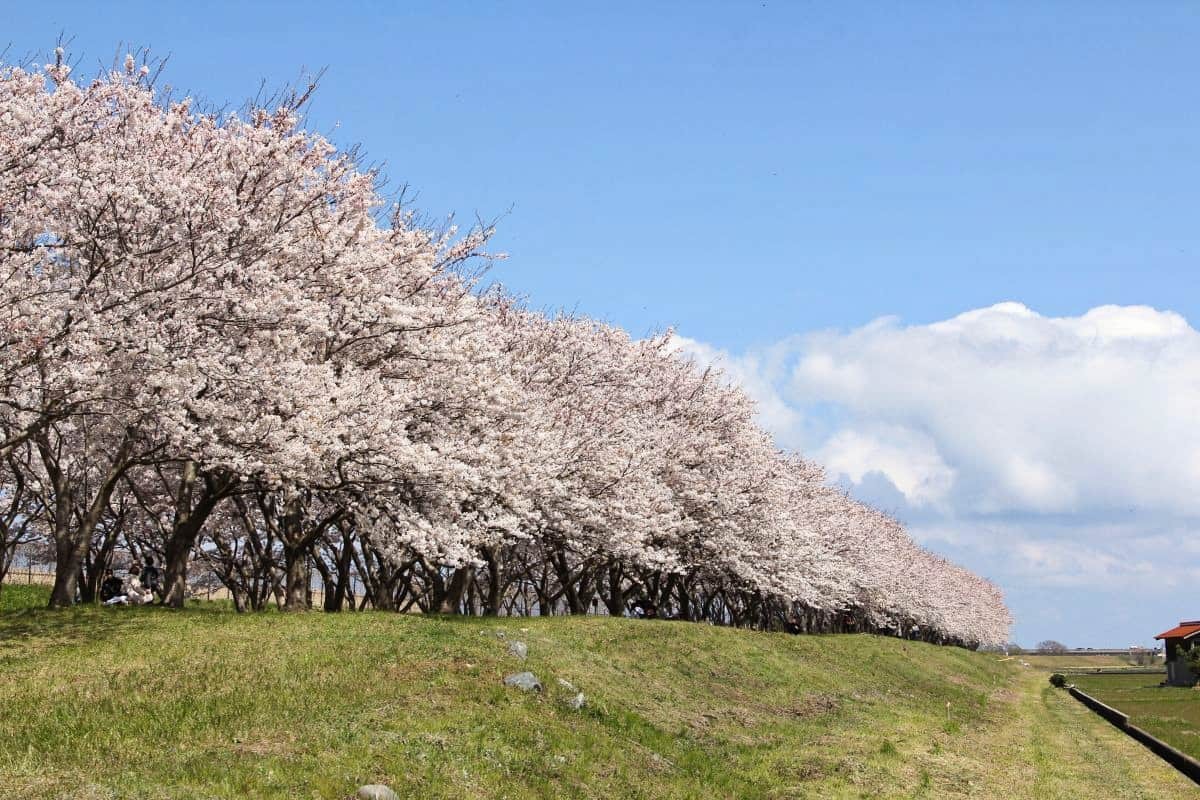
x=615 y=598
x=343 y=564
x=186 y=528
x=71 y=551
x=683 y=591
x=175 y=560
x=297 y=544
x=71 y=547
x=66 y=563
x=451 y=598
x=563 y=571
x=495 y=590
x=68 y=558
x=98 y=562
x=239 y=602
x=327 y=580
x=296 y=578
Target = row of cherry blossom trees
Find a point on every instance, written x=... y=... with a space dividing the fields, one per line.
x=221 y=347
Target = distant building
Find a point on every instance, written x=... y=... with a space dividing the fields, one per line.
x=1179 y=639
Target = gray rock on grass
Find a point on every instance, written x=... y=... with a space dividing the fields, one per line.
x=375 y=791
x=525 y=681
x=518 y=649
x=578 y=699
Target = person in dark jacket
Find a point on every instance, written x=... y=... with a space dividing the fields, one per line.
x=150 y=577
x=110 y=587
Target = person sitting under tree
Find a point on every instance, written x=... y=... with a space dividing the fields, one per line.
x=151 y=578
x=133 y=593
x=110 y=587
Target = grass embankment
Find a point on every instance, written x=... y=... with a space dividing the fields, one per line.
x=1172 y=713
x=148 y=703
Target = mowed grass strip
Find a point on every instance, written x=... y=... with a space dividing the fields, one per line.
x=1171 y=713
x=204 y=703
x=1051 y=663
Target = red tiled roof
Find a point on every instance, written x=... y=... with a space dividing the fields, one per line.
x=1181 y=631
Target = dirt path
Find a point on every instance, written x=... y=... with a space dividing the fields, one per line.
x=1047 y=745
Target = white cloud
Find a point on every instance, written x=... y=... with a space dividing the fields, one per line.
x=1030 y=413
x=1064 y=553
x=908 y=459
x=1046 y=451
x=760 y=374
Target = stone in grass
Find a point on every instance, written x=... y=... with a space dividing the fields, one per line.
x=375 y=791
x=518 y=649
x=578 y=700
x=525 y=681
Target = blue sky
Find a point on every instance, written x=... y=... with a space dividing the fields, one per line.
x=772 y=177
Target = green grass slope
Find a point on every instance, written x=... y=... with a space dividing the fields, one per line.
x=204 y=703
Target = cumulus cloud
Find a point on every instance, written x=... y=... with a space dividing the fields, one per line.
x=909 y=459
x=998 y=409
x=1025 y=434
x=1052 y=553
x=760 y=374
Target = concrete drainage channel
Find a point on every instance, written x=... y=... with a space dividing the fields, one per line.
x=1180 y=761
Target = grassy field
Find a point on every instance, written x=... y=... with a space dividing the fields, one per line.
x=1171 y=713
x=1055 y=663
x=148 y=703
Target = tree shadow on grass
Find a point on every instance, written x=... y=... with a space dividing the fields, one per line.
x=25 y=633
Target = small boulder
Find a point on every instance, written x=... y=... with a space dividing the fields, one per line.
x=576 y=699
x=518 y=649
x=375 y=791
x=525 y=681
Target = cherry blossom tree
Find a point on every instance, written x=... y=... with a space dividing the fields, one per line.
x=220 y=345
